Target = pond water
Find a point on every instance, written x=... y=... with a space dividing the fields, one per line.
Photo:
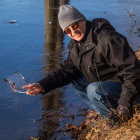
x=34 y=46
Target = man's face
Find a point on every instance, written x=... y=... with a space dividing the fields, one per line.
x=76 y=30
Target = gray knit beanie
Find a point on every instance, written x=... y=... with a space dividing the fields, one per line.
x=68 y=15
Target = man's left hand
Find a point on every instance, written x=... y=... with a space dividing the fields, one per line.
x=119 y=116
x=124 y=113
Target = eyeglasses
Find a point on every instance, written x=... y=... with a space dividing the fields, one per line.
x=74 y=26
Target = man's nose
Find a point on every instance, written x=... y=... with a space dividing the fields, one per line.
x=73 y=31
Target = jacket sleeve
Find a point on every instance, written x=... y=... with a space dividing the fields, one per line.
x=60 y=77
x=118 y=53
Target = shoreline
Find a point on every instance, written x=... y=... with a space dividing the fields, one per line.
x=92 y=128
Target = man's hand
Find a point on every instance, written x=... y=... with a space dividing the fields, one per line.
x=124 y=113
x=33 y=89
x=119 y=116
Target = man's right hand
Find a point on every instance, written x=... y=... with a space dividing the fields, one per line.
x=33 y=89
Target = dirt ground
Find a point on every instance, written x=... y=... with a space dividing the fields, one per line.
x=93 y=128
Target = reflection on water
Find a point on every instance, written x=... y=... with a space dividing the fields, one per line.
x=53 y=48
x=53 y=45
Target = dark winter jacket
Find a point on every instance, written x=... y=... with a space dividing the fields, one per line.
x=103 y=55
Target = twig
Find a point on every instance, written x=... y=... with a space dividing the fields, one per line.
x=111 y=109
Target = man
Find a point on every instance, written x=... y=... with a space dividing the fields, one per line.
x=100 y=65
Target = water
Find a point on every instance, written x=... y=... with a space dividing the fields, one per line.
x=34 y=46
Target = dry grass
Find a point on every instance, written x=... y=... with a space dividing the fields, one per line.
x=93 y=128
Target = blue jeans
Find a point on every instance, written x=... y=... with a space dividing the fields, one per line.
x=100 y=96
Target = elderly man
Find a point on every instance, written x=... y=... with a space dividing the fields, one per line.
x=100 y=65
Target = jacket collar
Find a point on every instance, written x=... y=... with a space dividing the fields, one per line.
x=88 y=39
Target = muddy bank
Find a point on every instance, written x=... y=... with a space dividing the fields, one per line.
x=93 y=128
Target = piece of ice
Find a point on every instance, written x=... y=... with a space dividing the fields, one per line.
x=16 y=81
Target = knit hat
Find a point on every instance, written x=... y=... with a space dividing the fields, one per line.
x=68 y=15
